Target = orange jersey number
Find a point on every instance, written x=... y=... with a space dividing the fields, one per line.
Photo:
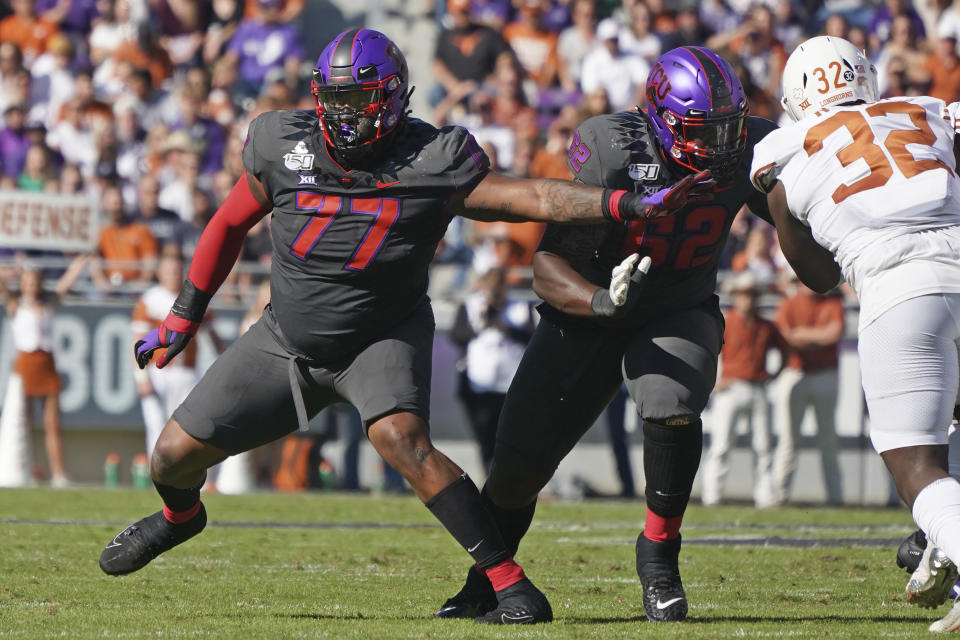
x=863 y=145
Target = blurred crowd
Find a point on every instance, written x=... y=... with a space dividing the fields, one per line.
x=144 y=105
x=522 y=74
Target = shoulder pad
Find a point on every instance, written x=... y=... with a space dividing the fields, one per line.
x=273 y=134
x=605 y=147
x=440 y=158
x=770 y=155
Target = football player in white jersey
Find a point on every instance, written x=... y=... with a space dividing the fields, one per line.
x=867 y=189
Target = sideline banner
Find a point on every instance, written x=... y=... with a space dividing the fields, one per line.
x=93 y=348
x=48 y=221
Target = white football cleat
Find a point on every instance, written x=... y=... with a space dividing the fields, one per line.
x=933 y=579
x=951 y=621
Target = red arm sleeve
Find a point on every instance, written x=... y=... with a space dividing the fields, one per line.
x=221 y=240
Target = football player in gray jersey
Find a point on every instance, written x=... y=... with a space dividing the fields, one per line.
x=361 y=195
x=660 y=334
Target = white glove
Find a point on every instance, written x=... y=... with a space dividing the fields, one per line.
x=617 y=301
x=620 y=278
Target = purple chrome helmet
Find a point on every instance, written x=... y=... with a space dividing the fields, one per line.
x=361 y=87
x=698 y=109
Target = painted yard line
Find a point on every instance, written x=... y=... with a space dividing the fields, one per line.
x=736 y=541
x=541 y=527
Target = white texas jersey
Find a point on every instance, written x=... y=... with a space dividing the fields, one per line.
x=877 y=184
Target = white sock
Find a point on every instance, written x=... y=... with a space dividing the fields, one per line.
x=937 y=511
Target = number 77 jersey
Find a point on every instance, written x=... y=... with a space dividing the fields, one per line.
x=351 y=247
x=867 y=180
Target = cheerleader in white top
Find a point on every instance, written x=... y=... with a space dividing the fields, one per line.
x=31 y=313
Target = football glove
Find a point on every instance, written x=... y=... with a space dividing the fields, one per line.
x=619 y=205
x=626 y=283
x=176 y=331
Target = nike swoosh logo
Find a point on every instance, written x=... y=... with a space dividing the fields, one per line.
x=506 y=618
x=474 y=547
x=664 y=605
x=115 y=543
x=381 y=185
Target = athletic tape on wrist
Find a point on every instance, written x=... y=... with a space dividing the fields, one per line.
x=191 y=303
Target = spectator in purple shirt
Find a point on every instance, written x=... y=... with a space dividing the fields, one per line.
x=263 y=44
x=206 y=133
x=14 y=140
x=881 y=22
x=73 y=17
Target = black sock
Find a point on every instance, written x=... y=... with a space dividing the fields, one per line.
x=512 y=523
x=459 y=509
x=179 y=499
x=671 y=456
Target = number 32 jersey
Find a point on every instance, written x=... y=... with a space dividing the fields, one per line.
x=351 y=248
x=877 y=185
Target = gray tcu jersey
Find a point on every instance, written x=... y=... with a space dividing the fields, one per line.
x=351 y=248
x=618 y=151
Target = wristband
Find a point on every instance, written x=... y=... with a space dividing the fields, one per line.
x=610 y=206
x=191 y=303
x=174 y=322
x=620 y=206
x=601 y=304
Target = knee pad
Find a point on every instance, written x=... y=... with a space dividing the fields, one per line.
x=671 y=457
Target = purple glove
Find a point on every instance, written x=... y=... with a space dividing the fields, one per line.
x=177 y=329
x=164 y=336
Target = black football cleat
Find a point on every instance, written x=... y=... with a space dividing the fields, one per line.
x=476 y=598
x=134 y=547
x=911 y=551
x=657 y=565
x=520 y=603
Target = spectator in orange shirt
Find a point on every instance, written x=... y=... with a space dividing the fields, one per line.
x=291 y=10
x=550 y=160
x=813 y=326
x=501 y=246
x=536 y=48
x=741 y=390
x=26 y=30
x=943 y=68
x=510 y=105
x=129 y=244
x=756 y=255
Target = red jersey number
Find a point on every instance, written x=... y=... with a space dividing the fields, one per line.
x=700 y=230
x=385 y=212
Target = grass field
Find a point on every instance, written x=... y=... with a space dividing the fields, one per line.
x=344 y=566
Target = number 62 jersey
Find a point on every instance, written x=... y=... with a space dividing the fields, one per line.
x=877 y=185
x=619 y=151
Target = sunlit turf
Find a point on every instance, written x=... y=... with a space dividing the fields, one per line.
x=364 y=567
